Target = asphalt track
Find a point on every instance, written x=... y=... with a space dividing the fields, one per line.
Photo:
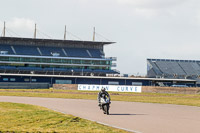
x=136 y=117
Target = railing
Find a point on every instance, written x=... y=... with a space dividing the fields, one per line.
x=116 y=70
x=53 y=57
x=56 y=71
x=113 y=65
x=111 y=58
x=56 y=64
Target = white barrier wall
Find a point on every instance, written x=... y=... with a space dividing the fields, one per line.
x=118 y=88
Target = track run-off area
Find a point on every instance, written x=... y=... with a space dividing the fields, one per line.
x=132 y=116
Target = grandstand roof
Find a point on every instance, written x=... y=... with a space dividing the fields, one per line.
x=54 y=41
x=174 y=60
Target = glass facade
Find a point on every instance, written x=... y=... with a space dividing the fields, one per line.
x=55 y=63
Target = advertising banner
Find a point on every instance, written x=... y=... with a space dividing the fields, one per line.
x=117 y=88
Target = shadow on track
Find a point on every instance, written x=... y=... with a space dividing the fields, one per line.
x=127 y=114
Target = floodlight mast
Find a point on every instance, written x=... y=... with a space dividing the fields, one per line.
x=4 y=29
x=94 y=34
x=65 y=33
x=35 y=32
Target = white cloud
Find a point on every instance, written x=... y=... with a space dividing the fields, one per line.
x=150 y=8
x=21 y=23
x=196 y=19
x=145 y=12
x=18 y=26
x=152 y=3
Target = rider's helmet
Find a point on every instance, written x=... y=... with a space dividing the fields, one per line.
x=103 y=89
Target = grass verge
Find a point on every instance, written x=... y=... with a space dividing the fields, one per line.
x=28 y=118
x=179 y=99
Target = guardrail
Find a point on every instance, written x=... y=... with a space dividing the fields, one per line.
x=111 y=58
x=113 y=65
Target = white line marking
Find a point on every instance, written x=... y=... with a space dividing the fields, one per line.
x=101 y=123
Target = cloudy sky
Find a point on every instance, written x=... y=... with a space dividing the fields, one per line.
x=168 y=29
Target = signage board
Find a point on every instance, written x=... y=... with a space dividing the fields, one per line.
x=117 y=88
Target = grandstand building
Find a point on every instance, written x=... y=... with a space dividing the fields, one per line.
x=60 y=57
x=40 y=63
x=53 y=57
x=175 y=69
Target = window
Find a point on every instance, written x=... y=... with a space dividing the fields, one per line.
x=33 y=80
x=14 y=59
x=137 y=83
x=86 y=62
x=44 y=60
x=66 y=61
x=56 y=61
x=26 y=80
x=96 y=62
x=12 y=79
x=113 y=82
x=108 y=62
x=5 y=79
x=63 y=81
x=4 y=58
x=76 y=62
x=104 y=62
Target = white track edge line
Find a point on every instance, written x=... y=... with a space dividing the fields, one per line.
x=102 y=123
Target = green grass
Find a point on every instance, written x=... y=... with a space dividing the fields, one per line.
x=179 y=99
x=28 y=118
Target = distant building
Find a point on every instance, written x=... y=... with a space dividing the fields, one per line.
x=173 y=69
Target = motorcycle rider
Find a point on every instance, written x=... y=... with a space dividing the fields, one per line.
x=102 y=93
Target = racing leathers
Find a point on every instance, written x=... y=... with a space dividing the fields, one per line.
x=103 y=94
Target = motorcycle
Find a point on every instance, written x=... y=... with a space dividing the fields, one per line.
x=105 y=104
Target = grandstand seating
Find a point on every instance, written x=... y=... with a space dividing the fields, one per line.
x=155 y=68
x=7 y=67
x=47 y=51
x=173 y=68
x=96 y=53
x=76 y=52
x=21 y=50
x=6 y=48
x=30 y=68
x=190 y=68
x=170 y=67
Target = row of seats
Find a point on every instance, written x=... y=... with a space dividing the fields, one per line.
x=48 y=51
x=55 y=69
x=25 y=50
x=175 y=67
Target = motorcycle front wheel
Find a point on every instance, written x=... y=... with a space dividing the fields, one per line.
x=106 y=109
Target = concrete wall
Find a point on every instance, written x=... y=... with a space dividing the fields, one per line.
x=174 y=90
x=151 y=89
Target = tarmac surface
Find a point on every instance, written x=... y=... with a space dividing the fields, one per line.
x=132 y=116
